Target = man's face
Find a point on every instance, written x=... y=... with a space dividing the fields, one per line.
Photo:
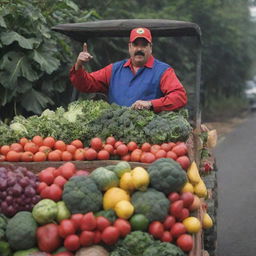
x=140 y=50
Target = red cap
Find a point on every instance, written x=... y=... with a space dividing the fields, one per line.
x=140 y=32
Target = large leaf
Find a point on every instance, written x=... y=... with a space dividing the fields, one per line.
x=9 y=37
x=2 y=22
x=35 y=101
x=17 y=65
x=6 y=95
x=47 y=63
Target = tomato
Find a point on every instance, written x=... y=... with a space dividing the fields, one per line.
x=96 y=143
x=178 y=229
x=102 y=223
x=185 y=242
x=187 y=198
x=66 y=227
x=126 y=158
x=154 y=148
x=44 y=149
x=60 y=181
x=97 y=237
x=109 y=148
x=174 y=196
x=27 y=156
x=2 y=158
x=77 y=143
x=5 y=149
x=79 y=154
x=171 y=144
x=103 y=155
x=76 y=218
x=110 y=235
x=166 y=147
x=38 y=140
x=31 y=146
x=123 y=226
x=146 y=147
x=66 y=156
x=88 y=222
x=90 y=154
x=172 y=155
x=23 y=141
x=160 y=154
x=111 y=140
x=40 y=187
x=166 y=237
x=82 y=173
x=122 y=150
x=132 y=145
x=71 y=149
x=183 y=161
x=55 y=193
x=67 y=170
x=16 y=147
x=72 y=242
x=169 y=222
x=86 y=238
x=184 y=214
x=156 y=229
x=45 y=192
x=46 y=176
x=13 y=156
x=49 y=142
x=136 y=155
x=176 y=208
x=180 y=149
x=39 y=157
x=147 y=157
x=54 y=156
x=55 y=171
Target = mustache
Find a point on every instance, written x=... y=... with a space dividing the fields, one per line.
x=139 y=53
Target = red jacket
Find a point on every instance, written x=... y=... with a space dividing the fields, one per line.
x=174 y=93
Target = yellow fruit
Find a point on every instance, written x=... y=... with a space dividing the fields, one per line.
x=193 y=173
x=207 y=221
x=126 y=182
x=112 y=196
x=140 y=178
x=188 y=187
x=192 y=224
x=200 y=189
x=124 y=209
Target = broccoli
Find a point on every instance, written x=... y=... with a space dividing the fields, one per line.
x=81 y=195
x=166 y=175
x=152 y=203
x=21 y=231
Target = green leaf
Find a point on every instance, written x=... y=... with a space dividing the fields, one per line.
x=35 y=101
x=47 y=63
x=6 y=95
x=9 y=37
x=2 y=22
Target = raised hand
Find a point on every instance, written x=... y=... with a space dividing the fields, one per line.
x=83 y=57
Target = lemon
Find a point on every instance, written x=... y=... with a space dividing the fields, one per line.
x=124 y=209
x=192 y=224
x=126 y=182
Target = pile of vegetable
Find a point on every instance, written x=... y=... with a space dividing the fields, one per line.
x=85 y=119
x=114 y=210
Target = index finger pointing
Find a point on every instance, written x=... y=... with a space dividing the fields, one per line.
x=85 y=47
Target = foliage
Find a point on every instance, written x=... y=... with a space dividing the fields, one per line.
x=34 y=60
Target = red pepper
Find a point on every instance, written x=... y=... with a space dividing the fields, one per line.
x=48 y=237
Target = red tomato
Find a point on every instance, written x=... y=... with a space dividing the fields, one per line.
x=136 y=155
x=102 y=223
x=72 y=242
x=123 y=226
x=56 y=172
x=156 y=229
x=77 y=143
x=60 y=181
x=132 y=145
x=172 y=155
x=66 y=156
x=171 y=144
x=147 y=157
x=110 y=235
x=176 y=208
x=88 y=222
x=118 y=143
x=45 y=193
x=183 y=161
x=40 y=187
x=49 y=142
x=103 y=155
x=16 y=147
x=109 y=148
x=90 y=154
x=126 y=158
x=166 y=147
x=160 y=154
x=55 y=193
x=178 y=229
x=174 y=196
x=111 y=140
x=96 y=143
x=38 y=140
x=31 y=146
x=79 y=154
x=166 y=237
x=71 y=149
x=61 y=145
x=86 y=238
x=97 y=237
x=77 y=218
x=184 y=214
x=46 y=176
x=185 y=242
x=154 y=148
x=187 y=198
x=180 y=149
x=67 y=170
x=146 y=147
x=169 y=222
x=66 y=228
x=122 y=150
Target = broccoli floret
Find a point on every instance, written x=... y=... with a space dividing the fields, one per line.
x=81 y=195
x=166 y=175
x=152 y=203
x=21 y=231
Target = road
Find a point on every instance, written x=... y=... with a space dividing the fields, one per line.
x=236 y=162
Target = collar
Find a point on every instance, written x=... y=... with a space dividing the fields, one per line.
x=148 y=64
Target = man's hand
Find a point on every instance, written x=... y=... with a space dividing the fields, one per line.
x=83 y=57
x=141 y=104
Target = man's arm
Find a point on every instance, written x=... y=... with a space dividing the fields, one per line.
x=175 y=95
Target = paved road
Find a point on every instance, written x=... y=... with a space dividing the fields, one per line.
x=236 y=161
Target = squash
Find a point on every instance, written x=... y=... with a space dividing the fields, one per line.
x=104 y=178
x=200 y=189
x=193 y=173
x=93 y=250
x=140 y=178
x=121 y=168
x=126 y=182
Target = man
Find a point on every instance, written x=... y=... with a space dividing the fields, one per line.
x=141 y=82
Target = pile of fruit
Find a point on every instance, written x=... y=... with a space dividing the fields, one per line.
x=114 y=210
